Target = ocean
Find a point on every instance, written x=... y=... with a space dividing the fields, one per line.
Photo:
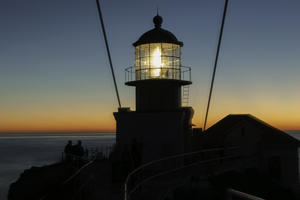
x=22 y=151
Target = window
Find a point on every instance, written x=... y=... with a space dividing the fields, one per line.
x=157 y=61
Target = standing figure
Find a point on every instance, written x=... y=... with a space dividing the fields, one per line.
x=68 y=151
x=78 y=149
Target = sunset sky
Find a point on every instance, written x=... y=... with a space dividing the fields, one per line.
x=54 y=72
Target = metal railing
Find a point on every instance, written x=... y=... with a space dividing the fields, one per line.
x=235 y=194
x=79 y=171
x=171 y=164
x=72 y=177
x=89 y=158
x=183 y=73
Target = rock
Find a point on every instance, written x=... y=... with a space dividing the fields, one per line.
x=36 y=182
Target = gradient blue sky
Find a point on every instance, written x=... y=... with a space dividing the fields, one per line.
x=54 y=72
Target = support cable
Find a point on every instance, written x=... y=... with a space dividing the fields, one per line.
x=108 y=52
x=216 y=62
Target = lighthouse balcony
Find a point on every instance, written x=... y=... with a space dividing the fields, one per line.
x=135 y=75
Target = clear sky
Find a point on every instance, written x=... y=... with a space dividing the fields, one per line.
x=54 y=72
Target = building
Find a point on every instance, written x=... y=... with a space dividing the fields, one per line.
x=268 y=149
x=159 y=126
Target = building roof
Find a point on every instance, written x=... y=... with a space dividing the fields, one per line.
x=270 y=134
x=157 y=35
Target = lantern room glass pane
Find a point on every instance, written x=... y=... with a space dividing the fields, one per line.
x=157 y=61
x=167 y=49
x=177 y=68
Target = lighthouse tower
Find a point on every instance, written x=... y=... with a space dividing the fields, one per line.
x=160 y=126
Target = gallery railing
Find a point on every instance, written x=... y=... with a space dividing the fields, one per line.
x=183 y=73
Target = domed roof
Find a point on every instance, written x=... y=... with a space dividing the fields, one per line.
x=157 y=35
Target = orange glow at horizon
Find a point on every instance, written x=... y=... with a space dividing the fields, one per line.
x=57 y=125
x=87 y=114
x=274 y=111
x=91 y=122
x=84 y=118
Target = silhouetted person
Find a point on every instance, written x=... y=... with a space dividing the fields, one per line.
x=68 y=150
x=78 y=149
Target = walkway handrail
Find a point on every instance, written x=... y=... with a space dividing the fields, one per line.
x=177 y=169
x=164 y=159
x=235 y=193
x=74 y=175
x=78 y=171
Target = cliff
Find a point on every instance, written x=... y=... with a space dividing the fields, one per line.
x=38 y=181
x=49 y=182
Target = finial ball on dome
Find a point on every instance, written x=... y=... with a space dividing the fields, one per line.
x=157 y=20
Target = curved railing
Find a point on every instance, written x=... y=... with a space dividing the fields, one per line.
x=233 y=194
x=171 y=164
x=183 y=73
x=72 y=177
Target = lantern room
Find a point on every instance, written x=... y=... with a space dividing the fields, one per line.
x=157 y=73
x=157 y=60
x=157 y=56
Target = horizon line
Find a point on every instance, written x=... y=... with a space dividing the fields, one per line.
x=74 y=131
x=55 y=131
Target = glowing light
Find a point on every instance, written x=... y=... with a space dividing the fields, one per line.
x=156 y=58
x=156 y=62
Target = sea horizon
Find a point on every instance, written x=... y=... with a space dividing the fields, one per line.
x=24 y=150
x=93 y=132
x=56 y=132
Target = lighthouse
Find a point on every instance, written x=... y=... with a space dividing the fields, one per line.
x=160 y=126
